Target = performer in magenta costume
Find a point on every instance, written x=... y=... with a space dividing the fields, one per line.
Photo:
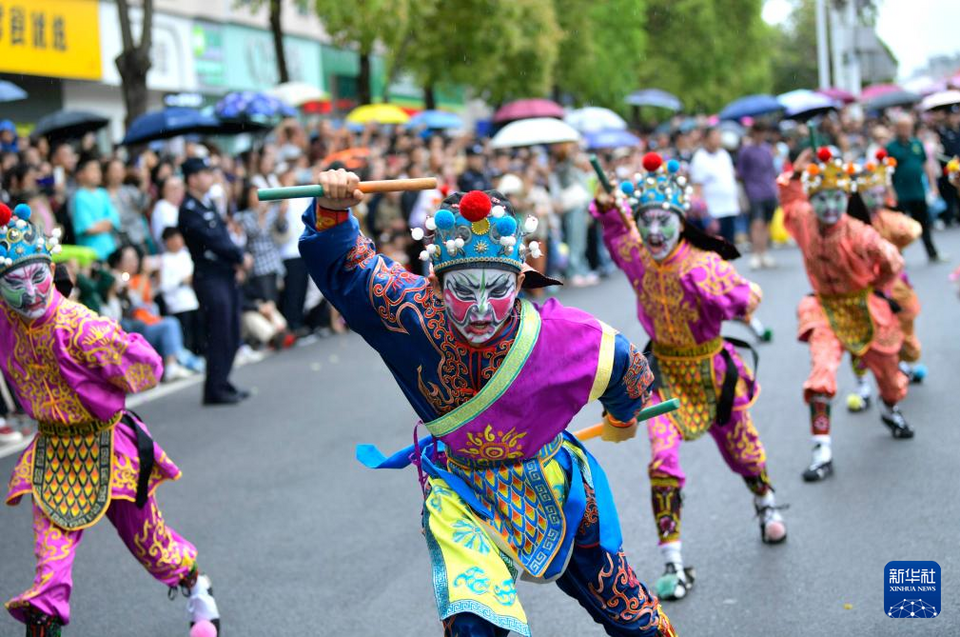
x=495 y=380
x=71 y=370
x=685 y=291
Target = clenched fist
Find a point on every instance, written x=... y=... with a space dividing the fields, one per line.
x=339 y=190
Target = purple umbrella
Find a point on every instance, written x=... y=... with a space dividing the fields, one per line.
x=526 y=109
x=610 y=139
x=838 y=94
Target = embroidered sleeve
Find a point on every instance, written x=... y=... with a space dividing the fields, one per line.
x=723 y=292
x=630 y=382
x=621 y=238
x=886 y=259
x=126 y=361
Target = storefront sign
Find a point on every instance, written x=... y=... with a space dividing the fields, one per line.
x=55 y=38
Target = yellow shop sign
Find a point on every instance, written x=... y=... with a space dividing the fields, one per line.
x=53 y=38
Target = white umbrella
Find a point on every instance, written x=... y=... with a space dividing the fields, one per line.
x=298 y=93
x=594 y=119
x=538 y=130
x=941 y=99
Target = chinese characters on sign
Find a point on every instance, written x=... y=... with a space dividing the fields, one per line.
x=53 y=37
x=912 y=576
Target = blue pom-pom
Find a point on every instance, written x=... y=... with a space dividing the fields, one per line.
x=23 y=211
x=506 y=226
x=626 y=188
x=673 y=166
x=444 y=219
x=919 y=372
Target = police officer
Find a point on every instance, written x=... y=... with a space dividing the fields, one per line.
x=217 y=261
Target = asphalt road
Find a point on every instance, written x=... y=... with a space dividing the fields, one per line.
x=300 y=539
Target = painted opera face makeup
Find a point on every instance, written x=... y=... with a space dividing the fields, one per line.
x=874 y=197
x=660 y=231
x=28 y=289
x=478 y=301
x=829 y=205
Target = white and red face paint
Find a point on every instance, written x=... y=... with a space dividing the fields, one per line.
x=28 y=289
x=478 y=301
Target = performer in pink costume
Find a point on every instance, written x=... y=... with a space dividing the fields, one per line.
x=71 y=370
x=685 y=291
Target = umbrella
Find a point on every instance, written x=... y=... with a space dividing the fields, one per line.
x=751 y=106
x=876 y=90
x=298 y=93
x=170 y=122
x=655 y=97
x=379 y=113
x=593 y=119
x=804 y=104
x=526 y=109
x=438 y=120
x=838 y=94
x=538 y=130
x=63 y=125
x=10 y=92
x=925 y=85
x=940 y=100
x=890 y=99
x=610 y=139
x=250 y=106
x=352 y=158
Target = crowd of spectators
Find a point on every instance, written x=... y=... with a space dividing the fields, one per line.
x=124 y=207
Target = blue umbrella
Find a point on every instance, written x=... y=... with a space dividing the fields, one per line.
x=655 y=97
x=440 y=120
x=252 y=106
x=170 y=122
x=610 y=139
x=10 y=92
x=751 y=106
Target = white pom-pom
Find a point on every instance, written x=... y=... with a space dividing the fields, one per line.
x=424 y=255
x=505 y=241
x=21 y=223
x=497 y=211
x=56 y=233
x=57 y=249
x=535 y=253
x=430 y=224
x=451 y=247
x=417 y=234
x=530 y=224
x=535 y=245
x=459 y=242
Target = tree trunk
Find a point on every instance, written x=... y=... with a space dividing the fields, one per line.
x=364 y=95
x=429 y=97
x=283 y=73
x=134 y=62
x=396 y=66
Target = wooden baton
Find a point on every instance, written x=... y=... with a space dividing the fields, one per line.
x=316 y=190
x=645 y=414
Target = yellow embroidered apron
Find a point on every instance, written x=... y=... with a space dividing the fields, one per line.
x=850 y=319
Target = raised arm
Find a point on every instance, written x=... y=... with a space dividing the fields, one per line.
x=619 y=234
x=367 y=288
x=887 y=260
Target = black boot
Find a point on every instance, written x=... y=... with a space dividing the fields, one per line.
x=40 y=625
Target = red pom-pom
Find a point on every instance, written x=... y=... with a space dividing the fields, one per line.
x=881 y=154
x=5 y=214
x=475 y=205
x=824 y=154
x=444 y=190
x=652 y=161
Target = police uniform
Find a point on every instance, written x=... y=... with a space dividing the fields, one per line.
x=215 y=258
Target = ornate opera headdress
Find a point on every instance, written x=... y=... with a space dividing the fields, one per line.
x=877 y=173
x=477 y=229
x=21 y=242
x=829 y=173
x=952 y=171
x=660 y=185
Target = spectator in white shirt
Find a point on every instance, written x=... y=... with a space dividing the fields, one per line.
x=715 y=182
x=166 y=212
x=176 y=285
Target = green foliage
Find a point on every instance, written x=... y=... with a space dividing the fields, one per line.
x=361 y=24
x=707 y=52
x=794 y=49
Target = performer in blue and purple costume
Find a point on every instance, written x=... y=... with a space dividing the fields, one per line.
x=496 y=380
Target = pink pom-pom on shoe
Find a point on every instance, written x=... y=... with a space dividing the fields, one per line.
x=203 y=629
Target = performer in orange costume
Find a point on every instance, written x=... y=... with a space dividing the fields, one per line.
x=847 y=262
x=868 y=204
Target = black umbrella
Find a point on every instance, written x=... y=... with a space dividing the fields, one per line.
x=63 y=125
x=891 y=99
x=170 y=122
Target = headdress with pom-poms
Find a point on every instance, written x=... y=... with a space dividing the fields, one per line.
x=952 y=171
x=660 y=185
x=829 y=172
x=877 y=172
x=21 y=242
x=476 y=229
